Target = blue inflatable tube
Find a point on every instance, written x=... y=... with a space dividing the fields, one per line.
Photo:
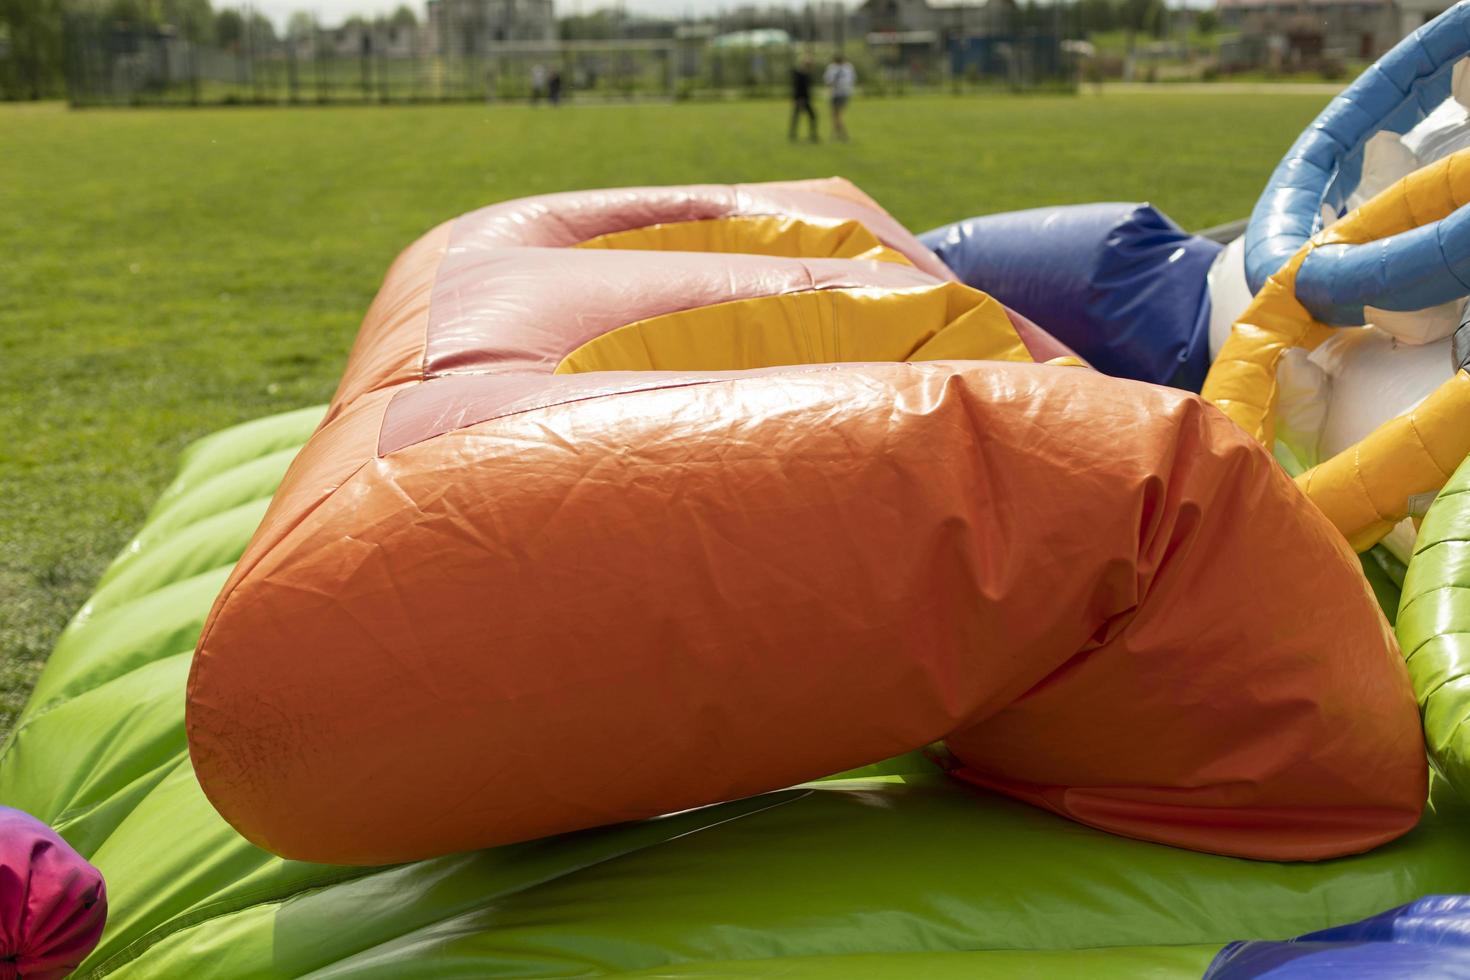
x=1411 y=271
x=1427 y=938
x=1120 y=284
x=1419 y=268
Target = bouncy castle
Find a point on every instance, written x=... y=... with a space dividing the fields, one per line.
x=724 y=581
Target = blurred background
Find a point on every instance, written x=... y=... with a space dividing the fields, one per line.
x=141 y=52
x=198 y=202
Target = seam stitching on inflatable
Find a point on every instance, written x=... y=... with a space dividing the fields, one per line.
x=62 y=702
x=1423 y=696
x=786 y=796
x=1448 y=586
x=177 y=501
x=1430 y=639
x=60 y=699
x=255 y=899
x=81 y=813
x=783 y=369
x=1413 y=420
x=429 y=306
x=174 y=493
x=1439 y=541
x=170 y=532
x=206 y=913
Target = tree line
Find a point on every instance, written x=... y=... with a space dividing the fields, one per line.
x=32 y=31
x=32 y=62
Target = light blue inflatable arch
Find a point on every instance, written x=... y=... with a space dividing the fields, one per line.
x=1417 y=269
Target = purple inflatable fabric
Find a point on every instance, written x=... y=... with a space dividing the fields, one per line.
x=1427 y=938
x=53 y=904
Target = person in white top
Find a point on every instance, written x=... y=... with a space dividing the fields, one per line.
x=841 y=79
x=538 y=83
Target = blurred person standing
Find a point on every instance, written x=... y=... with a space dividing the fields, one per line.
x=841 y=79
x=538 y=83
x=801 y=97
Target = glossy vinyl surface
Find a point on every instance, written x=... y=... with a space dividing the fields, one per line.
x=1434 y=627
x=896 y=876
x=826 y=565
x=1368 y=487
x=1121 y=284
x=535 y=606
x=1323 y=168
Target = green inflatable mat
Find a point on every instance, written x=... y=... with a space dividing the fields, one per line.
x=893 y=871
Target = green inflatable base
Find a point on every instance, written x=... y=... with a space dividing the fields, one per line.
x=894 y=871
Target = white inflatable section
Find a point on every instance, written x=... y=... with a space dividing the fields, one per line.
x=1304 y=388
x=1441 y=133
x=1386 y=161
x=1444 y=130
x=1304 y=401
x=1419 y=326
x=1375 y=377
x=1400 y=541
x=1229 y=294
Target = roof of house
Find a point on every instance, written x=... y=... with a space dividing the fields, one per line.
x=944 y=4
x=1234 y=4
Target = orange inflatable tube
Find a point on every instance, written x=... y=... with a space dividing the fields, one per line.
x=716 y=555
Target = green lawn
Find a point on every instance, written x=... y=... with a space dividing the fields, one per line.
x=167 y=273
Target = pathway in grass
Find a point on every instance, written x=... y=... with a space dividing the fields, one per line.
x=167 y=273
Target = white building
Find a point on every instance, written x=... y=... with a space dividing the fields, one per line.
x=1290 y=33
x=941 y=18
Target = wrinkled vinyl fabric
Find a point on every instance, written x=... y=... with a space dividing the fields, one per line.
x=1427 y=938
x=871 y=877
x=703 y=562
x=1368 y=488
x=53 y=904
x=1120 y=284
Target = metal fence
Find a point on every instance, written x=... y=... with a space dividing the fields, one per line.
x=120 y=65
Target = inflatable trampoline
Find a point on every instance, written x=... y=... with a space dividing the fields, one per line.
x=724 y=582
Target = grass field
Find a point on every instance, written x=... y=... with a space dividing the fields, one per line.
x=164 y=274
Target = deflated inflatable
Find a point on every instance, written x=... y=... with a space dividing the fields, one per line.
x=634 y=501
x=579 y=501
x=53 y=904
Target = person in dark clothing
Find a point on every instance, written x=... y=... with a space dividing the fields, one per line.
x=801 y=97
x=553 y=87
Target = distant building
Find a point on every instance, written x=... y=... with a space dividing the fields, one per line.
x=763 y=37
x=940 y=19
x=1307 y=33
x=908 y=36
x=825 y=21
x=471 y=27
x=359 y=38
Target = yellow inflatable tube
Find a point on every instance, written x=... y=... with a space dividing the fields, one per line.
x=1366 y=489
